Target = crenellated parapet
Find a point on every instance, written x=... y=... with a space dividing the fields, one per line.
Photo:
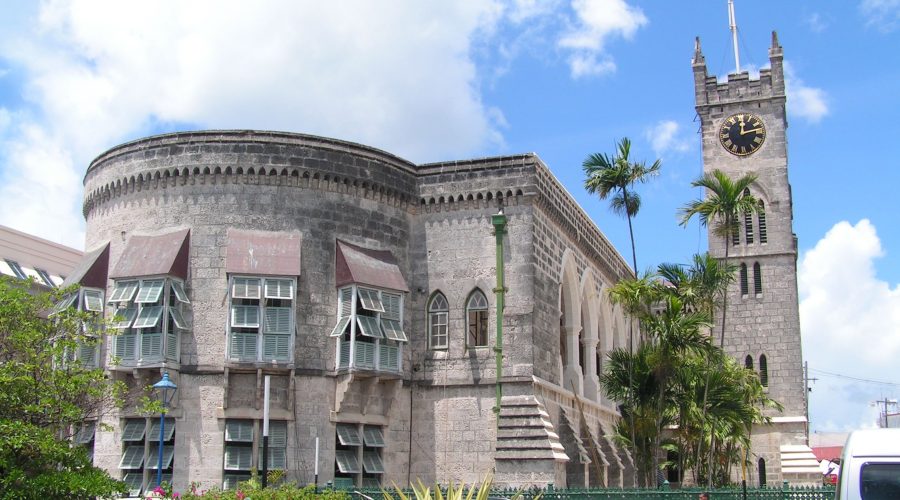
x=738 y=87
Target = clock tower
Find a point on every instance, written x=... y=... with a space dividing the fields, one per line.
x=743 y=127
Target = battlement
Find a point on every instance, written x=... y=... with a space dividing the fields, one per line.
x=738 y=87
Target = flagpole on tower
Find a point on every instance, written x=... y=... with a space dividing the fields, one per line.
x=734 y=37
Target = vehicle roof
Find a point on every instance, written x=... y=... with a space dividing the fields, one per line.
x=873 y=443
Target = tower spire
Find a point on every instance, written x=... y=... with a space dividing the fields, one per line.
x=734 y=40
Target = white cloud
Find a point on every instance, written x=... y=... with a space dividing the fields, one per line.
x=809 y=103
x=816 y=23
x=597 y=21
x=851 y=325
x=882 y=14
x=665 y=137
x=97 y=73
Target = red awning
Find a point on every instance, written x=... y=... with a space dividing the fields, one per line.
x=359 y=265
x=92 y=270
x=263 y=252
x=165 y=254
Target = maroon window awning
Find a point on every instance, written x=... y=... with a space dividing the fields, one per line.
x=266 y=253
x=164 y=254
x=363 y=266
x=92 y=270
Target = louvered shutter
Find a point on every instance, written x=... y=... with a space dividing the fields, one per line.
x=245 y=316
x=278 y=320
x=277 y=434
x=124 y=317
x=348 y=435
x=148 y=317
x=239 y=431
x=87 y=354
x=243 y=346
x=150 y=292
x=151 y=345
x=134 y=430
x=125 y=344
x=369 y=326
x=346 y=461
x=178 y=318
x=93 y=300
x=373 y=436
x=245 y=288
x=276 y=347
x=238 y=457
x=132 y=458
x=346 y=301
x=168 y=456
x=172 y=346
x=280 y=289
x=124 y=291
x=168 y=432
x=372 y=462
x=178 y=289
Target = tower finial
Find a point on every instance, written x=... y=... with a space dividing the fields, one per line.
x=775 y=44
x=698 y=54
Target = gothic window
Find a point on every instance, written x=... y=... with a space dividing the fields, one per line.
x=438 y=314
x=761 y=222
x=745 y=288
x=761 y=470
x=261 y=319
x=757 y=279
x=150 y=316
x=748 y=362
x=736 y=235
x=763 y=371
x=748 y=222
x=477 y=319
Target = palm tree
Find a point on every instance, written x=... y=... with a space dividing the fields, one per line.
x=721 y=209
x=726 y=200
x=615 y=177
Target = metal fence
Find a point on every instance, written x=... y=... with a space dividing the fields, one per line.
x=784 y=493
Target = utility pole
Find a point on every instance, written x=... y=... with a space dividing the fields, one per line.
x=806 y=381
x=885 y=402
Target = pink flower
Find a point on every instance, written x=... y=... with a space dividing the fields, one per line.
x=241 y=495
x=176 y=495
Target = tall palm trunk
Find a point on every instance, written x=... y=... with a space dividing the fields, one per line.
x=709 y=475
x=631 y=322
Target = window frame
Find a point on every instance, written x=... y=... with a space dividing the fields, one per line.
x=483 y=324
x=366 y=339
x=266 y=296
x=149 y=332
x=435 y=311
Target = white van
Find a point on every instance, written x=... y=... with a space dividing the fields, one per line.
x=870 y=466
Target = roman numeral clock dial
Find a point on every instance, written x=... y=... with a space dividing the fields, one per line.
x=742 y=134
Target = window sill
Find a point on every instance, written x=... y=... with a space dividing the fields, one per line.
x=238 y=365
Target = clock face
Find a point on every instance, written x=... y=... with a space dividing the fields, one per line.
x=742 y=134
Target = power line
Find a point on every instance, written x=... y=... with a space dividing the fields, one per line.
x=848 y=377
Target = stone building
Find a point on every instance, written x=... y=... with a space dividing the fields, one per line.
x=364 y=286
x=744 y=130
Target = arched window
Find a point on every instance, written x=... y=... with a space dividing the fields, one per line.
x=763 y=371
x=438 y=313
x=599 y=365
x=761 y=222
x=761 y=468
x=562 y=328
x=757 y=278
x=477 y=314
x=745 y=288
x=748 y=362
x=748 y=222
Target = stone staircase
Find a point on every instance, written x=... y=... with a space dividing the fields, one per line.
x=525 y=432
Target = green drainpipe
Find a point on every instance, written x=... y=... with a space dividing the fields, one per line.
x=499 y=223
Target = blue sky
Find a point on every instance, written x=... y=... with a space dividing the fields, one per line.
x=434 y=80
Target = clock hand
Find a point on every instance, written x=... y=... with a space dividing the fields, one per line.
x=745 y=132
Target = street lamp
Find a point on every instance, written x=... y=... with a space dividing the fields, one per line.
x=166 y=390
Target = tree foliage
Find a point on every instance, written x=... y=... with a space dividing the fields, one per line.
x=45 y=396
x=679 y=379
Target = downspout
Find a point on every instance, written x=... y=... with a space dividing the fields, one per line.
x=499 y=223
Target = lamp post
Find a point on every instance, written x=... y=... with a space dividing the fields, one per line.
x=166 y=390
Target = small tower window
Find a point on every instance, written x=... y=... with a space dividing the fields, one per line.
x=757 y=279
x=763 y=370
x=761 y=467
x=745 y=288
x=748 y=222
x=761 y=222
x=748 y=362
